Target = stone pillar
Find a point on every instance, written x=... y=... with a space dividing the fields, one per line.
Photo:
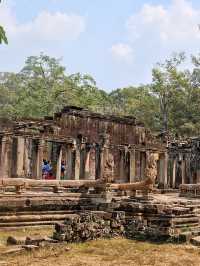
x=0 y=156
x=77 y=163
x=101 y=164
x=27 y=156
x=174 y=173
x=165 y=177
x=40 y=158
x=20 y=157
x=122 y=162
x=137 y=165
x=92 y=163
x=59 y=160
x=143 y=165
x=68 y=160
x=132 y=167
x=46 y=151
x=183 y=164
x=163 y=170
x=6 y=154
x=84 y=162
x=87 y=164
x=198 y=176
x=160 y=171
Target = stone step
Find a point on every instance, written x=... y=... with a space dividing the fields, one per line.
x=185 y=220
x=28 y=224
x=2 y=214
x=32 y=218
x=189 y=226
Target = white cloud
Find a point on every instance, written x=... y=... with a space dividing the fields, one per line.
x=58 y=26
x=122 y=51
x=176 y=22
x=45 y=26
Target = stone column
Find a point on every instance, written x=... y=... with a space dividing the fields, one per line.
x=6 y=154
x=137 y=165
x=183 y=170
x=46 y=151
x=0 y=157
x=20 y=157
x=101 y=170
x=163 y=170
x=198 y=176
x=69 y=161
x=27 y=156
x=174 y=173
x=165 y=177
x=143 y=165
x=92 y=163
x=122 y=159
x=84 y=162
x=77 y=163
x=160 y=170
x=40 y=158
x=59 y=160
x=132 y=167
x=87 y=164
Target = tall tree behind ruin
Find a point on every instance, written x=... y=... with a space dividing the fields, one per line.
x=43 y=87
x=166 y=85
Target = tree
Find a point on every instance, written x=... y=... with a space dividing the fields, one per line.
x=42 y=88
x=3 y=38
x=138 y=102
x=167 y=85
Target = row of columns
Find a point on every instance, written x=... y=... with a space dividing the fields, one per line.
x=162 y=166
x=23 y=157
x=179 y=173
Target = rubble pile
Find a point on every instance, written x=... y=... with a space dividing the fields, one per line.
x=132 y=220
x=90 y=225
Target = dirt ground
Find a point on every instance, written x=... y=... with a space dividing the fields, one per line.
x=100 y=253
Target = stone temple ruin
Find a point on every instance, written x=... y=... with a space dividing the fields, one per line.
x=119 y=178
x=94 y=146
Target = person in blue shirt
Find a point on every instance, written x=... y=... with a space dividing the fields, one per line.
x=62 y=170
x=46 y=168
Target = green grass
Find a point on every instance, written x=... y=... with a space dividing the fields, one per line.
x=103 y=253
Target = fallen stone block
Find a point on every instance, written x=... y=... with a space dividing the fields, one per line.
x=195 y=241
x=13 y=240
x=30 y=247
x=3 y=263
x=34 y=240
x=16 y=250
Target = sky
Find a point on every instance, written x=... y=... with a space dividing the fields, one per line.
x=118 y=42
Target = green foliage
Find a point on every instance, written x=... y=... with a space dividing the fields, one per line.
x=170 y=102
x=3 y=38
x=42 y=88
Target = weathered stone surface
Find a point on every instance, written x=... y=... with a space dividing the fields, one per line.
x=90 y=226
x=195 y=241
x=13 y=240
x=36 y=240
x=15 y=250
x=30 y=247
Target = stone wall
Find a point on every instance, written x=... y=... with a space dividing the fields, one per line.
x=122 y=130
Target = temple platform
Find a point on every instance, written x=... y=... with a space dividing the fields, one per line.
x=160 y=215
